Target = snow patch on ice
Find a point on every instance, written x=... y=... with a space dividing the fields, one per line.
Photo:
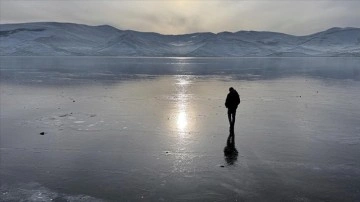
x=79 y=122
x=72 y=120
x=38 y=193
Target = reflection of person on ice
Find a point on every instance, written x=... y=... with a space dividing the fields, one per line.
x=232 y=102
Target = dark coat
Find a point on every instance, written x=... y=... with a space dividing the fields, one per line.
x=232 y=100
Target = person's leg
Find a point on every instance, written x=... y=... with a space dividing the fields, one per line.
x=229 y=116
x=233 y=114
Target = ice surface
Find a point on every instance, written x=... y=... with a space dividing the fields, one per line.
x=156 y=129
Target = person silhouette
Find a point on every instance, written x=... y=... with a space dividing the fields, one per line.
x=231 y=103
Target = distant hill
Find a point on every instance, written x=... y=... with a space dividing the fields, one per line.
x=57 y=39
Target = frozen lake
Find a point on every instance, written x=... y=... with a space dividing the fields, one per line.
x=155 y=129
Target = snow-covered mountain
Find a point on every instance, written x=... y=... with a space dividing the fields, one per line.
x=50 y=38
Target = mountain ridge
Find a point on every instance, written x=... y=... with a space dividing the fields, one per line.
x=56 y=39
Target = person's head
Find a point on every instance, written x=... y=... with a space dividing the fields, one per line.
x=231 y=89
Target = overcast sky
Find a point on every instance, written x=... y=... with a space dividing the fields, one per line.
x=298 y=17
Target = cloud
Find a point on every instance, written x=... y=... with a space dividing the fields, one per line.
x=186 y=16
